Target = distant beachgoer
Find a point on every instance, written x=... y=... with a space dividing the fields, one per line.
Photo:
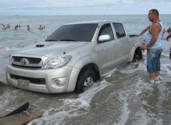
x=16 y=27
x=8 y=26
x=164 y=30
x=169 y=33
x=168 y=37
x=3 y=27
x=28 y=28
x=169 y=30
x=40 y=27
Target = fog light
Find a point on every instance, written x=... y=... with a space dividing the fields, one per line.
x=57 y=82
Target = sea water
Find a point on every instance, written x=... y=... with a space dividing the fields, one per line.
x=123 y=97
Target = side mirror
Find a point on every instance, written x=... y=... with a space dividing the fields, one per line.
x=104 y=38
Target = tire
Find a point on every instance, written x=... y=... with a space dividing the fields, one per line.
x=85 y=80
x=137 y=55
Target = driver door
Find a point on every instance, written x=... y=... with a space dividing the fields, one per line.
x=107 y=50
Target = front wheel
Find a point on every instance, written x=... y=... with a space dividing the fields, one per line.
x=85 y=80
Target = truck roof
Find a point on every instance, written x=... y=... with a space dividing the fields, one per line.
x=94 y=21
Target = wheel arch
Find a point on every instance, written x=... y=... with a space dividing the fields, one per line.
x=92 y=66
x=89 y=70
x=77 y=71
x=137 y=51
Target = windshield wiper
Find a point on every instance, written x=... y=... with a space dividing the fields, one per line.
x=60 y=40
x=67 y=40
x=50 y=40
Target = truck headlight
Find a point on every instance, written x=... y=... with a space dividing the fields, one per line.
x=57 y=62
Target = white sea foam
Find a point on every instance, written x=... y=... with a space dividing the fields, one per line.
x=142 y=117
x=122 y=120
x=144 y=89
x=132 y=69
x=71 y=107
x=4 y=100
x=7 y=101
x=142 y=86
x=110 y=73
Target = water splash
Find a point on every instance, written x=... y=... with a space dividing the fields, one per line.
x=71 y=107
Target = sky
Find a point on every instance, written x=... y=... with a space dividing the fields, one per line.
x=82 y=7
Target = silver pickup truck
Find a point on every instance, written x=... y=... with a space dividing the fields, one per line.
x=73 y=57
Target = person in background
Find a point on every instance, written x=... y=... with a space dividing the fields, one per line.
x=4 y=27
x=168 y=37
x=16 y=27
x=153 y=45
x=28 y=28
x=8 y=26
x=40 y=27
x=44 y=27
x=169 y=34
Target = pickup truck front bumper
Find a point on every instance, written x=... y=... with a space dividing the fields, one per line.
x=40 y=80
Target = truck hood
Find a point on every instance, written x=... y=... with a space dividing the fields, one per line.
x=50 y=49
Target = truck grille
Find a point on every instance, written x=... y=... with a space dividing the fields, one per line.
x=27 y=62
x=39 y=81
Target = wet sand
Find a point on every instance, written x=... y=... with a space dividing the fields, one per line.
x=124 y=97
x=19 y=119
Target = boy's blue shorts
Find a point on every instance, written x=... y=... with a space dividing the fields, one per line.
x=153 y=59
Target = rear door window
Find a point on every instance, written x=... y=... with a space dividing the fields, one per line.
x=120 y=32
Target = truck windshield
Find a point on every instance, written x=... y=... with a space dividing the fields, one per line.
x=73 y=32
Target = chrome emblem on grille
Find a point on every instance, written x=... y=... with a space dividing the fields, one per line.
x=24 y=61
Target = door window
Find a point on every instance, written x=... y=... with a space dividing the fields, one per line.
x=120 y=32
x=106 y=30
